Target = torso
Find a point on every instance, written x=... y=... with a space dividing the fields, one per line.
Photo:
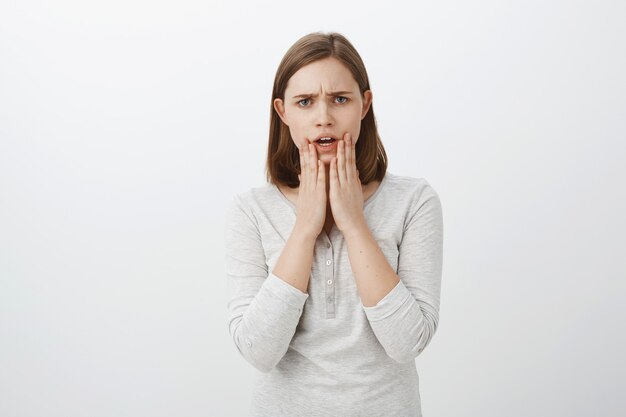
x=292 y=195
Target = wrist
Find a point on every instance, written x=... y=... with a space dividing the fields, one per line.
x=356 y=231
x=303 y=233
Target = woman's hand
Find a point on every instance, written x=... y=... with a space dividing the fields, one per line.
x=311 y=206
x=346 y=193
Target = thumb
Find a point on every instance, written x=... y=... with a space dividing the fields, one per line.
x=321 y=172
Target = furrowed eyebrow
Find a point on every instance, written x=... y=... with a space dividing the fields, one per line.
x=333 y=93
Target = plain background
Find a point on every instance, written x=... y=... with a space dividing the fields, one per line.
x=127 y=127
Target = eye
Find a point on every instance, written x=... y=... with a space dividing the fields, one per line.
x=346 y=98
x=298 y=102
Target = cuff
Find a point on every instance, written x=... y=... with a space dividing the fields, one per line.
x=389 y=304
x=285 y=291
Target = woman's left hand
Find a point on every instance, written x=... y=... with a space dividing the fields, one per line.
x=346 y=193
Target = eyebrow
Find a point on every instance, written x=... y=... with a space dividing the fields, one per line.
x=332 y=93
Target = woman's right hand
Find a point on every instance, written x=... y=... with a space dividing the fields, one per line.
x=311 y=206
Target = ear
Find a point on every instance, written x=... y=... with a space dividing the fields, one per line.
x=280 y=109
x=367 y=101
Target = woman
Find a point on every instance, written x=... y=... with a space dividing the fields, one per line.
x=335 y=265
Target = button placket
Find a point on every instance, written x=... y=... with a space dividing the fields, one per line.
x=330 y=283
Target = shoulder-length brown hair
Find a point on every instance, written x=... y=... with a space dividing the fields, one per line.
x=283 y=159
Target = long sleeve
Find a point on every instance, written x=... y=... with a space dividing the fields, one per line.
x=264 y=310
x=406 y=319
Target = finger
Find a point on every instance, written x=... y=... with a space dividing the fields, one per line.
x=321 y=176
x=310 y=177
x=350 y=167
x=341 y=161
x=303 y=166
x=314 y=164
x=334 y=181
x=353 y=143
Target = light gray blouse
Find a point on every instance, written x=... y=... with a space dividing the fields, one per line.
x=323 y=353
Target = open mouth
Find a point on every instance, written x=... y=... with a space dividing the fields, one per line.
x=325 y=141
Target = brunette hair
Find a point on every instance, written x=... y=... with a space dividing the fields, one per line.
x=283 y=159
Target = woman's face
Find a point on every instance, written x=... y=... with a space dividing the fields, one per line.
x=322 y=98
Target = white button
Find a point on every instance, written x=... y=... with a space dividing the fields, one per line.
x=328 y=262
x=249 y=343
x=330 y=281
x=328 y=245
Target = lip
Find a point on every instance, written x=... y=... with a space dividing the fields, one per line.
x=326 y=149
x=326 y=135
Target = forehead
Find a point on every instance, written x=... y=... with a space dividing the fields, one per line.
x=323 y=75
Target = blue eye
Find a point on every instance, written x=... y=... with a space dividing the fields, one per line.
x=307 y=99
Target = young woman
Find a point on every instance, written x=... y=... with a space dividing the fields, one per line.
x=335 y=265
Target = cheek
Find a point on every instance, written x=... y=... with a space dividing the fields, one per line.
x=352 y=119
x=296 y=136
x=299 y=138
x=300 y=143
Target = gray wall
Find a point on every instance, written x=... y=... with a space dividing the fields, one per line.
x=127 y=126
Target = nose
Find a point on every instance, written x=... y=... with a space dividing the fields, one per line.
x=324 y=117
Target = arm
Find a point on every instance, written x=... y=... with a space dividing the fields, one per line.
x=264 y=309
x=406 y=318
